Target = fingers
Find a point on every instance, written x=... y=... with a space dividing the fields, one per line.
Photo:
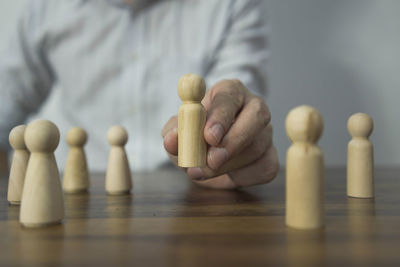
x=222 y=103
x=253 y=152
x=170 y=125
x=250 y=154
x=252 y=119
x=261 y=172
x=170 y=134
x=240 y=138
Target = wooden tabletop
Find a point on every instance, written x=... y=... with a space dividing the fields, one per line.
x=169 y=222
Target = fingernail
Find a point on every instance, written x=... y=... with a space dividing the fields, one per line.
x=217 y=157
x=217 y=131
x=195 y=173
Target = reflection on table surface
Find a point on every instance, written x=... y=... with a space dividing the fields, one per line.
x=167 y=221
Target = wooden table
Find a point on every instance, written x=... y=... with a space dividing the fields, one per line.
x=169 y=222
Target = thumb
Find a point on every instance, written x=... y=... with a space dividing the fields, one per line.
x=171 y=141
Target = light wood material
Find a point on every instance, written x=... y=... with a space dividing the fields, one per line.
x=76 y=176
x=169 y=222
x=191 y=120
x=118 y=176
x=18 y=165
x=304 y=169
x=360 y=157
x=42 y=198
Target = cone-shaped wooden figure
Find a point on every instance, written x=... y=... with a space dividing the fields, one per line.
x=118 y=175
x=76 y=176
x=191 y=121
x=304 y=169
x=42 y=198
x=360 y=157
x=18 y=165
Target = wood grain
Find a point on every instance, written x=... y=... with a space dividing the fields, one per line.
x=360 y=157
x=192 y=148
x=76 y=174
x=168 y=222
x=304 y=169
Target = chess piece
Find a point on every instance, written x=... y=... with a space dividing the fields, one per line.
x=360 y=157
x=76 y=176
x=304 y=169
x=118 y=175
x=191 y=121
x=42 y=199
x=18 y=165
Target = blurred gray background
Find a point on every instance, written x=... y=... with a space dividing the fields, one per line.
x=339 y=56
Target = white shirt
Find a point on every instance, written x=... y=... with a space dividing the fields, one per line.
x=101 y=63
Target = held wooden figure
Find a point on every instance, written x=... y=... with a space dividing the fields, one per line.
x=18 y=165
x=42 y=198
x=304 y=169
x=118 y=175
x=191 y=121
x=76 y=176
x=360 y=157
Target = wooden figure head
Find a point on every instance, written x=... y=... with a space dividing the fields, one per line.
x=16 y=137
x=76 y=137
x=304 y=124
x=42 y=136
x=360 y=125
x=117 y=136
x=191 y=87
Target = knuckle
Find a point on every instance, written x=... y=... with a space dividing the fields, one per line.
x=271 y=167
x=261 y=110
x=258 y=148
x=237 y=83
x=274 y=169
x=220 y=112
x=240 y=141
x=235 y=94
x=227 y=102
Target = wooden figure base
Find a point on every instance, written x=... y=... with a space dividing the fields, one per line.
x=118 y=193
x=76 y=191
x=361 y=197
x=40 y=225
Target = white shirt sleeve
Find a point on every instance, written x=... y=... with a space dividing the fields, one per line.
x=25 y=77
x=243 y=52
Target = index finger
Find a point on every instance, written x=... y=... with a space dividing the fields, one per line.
x=223 y=102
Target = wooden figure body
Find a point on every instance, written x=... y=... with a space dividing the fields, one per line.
x=118 y=175
x=18 y=165
x=192 y=147
x=42 y=199
x=304 y=169
x=360 y=157
x=76 y=175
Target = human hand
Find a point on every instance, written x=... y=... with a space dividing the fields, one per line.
x=239 y=135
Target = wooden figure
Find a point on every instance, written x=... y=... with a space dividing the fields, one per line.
x=42 y=198
x=360 y=157
x=18 y=165
x=192 y=147
x=304 y=169
x=118 y=175
x=76 y=175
